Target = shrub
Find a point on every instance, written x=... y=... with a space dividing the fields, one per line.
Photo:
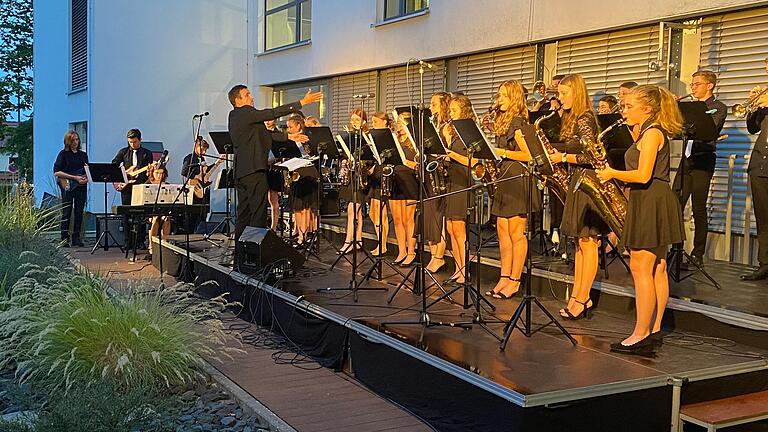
x=20 y=218
x=61 y=329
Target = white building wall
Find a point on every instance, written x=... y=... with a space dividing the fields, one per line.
x=344 y=41
x=153 y=65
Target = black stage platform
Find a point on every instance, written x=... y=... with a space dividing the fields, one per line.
x=457 y=379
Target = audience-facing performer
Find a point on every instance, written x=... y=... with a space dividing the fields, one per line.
x=69 y=169
x=133 y=157
x=654 y=220
x=157 y=176
x=405 y=192
x=580 y=217
x=252 y=142
x=697 y=166
x=304 y=193
x=456 y=209
x=275 y=181
x=351 y=192
x=195 y=169
x=378 y=203
x=511 y=200
x=757 y=121
x=434 y=210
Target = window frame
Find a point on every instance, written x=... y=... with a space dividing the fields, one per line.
x=297 y=4
x=401 y=12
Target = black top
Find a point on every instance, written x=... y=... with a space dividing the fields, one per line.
x=661 y=166
x=143 y=157
x=508 y=142
x=250 y=137
x=70 y=162
x=190 y=167
x=758 y=161
x=703 y=153
x=586 y=127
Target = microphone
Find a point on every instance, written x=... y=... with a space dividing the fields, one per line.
x=364 y=96
x=200 y=115
x=427 y=64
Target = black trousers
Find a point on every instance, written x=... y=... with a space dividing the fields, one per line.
x=141 y=226
x=695 y=185
x=759 y=186
x=75 y=197
x=251 y=202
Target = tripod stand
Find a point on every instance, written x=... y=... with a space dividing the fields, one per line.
x=106 y=173
x=699 y=126
x=223 y=143
x=529 y=299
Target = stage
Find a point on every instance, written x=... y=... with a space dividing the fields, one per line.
x=458 y=379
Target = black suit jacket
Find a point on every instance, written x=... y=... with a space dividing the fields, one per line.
x=251 y=139
x=143 y=157
x=758 y=161
x=703 y=155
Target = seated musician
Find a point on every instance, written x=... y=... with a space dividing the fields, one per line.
x=158 y=176
x=133 y=157
x=198 y=174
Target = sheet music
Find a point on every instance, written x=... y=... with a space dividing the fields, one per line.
x=375 y=151
x=295 y=163
x=344 y=147
x=88 y=174
x=122 y=170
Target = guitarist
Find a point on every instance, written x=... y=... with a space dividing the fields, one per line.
x=195 y=169
x=69 y=170
x=133 y=157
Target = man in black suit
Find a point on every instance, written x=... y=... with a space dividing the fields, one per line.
x=757 y=121
x=252 y=141
x=136 y=156
x=698 y=163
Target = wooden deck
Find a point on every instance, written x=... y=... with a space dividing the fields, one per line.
x=308 y=398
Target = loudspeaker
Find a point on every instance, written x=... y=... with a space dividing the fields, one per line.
x=259 y=247
x=329 y=206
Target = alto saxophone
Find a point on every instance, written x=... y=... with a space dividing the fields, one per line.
x=387 y=176
x=438 y=175
x=559 y=179
x=607 y=196
x=486 y=172
x=345 y=174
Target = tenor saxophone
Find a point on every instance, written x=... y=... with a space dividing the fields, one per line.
x=607 y=196
x=558 y=180
x=387 y=177
x=437 y=172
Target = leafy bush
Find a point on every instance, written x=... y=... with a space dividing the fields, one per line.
x=20 y=219
x=61 y=329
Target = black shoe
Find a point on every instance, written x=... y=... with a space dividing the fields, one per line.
x=657 y=339
x=697 y=261
x=77 y=243
x=642 y=347
x=64 y=243
x=759 y=274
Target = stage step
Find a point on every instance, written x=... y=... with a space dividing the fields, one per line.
x=723 y=413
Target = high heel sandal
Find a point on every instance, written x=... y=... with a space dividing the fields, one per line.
x=493 y=292
x=643 y=347
x=407 y=264
x=345 y=248
x=583 y=314
x=438 y=267
x=502 y=296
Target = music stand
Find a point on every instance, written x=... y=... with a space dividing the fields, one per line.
x=223 y=143
x=105 y=173
x=698 y=125
x=322 y=144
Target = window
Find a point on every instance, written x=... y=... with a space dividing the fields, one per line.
x=82 y=129
x=286 y=22
x=398 y=8
x=78 y=77
x=291 y=93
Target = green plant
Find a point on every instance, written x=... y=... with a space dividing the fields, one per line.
x=61 y=329
x=21 y=253
x=20 y=219
x=6 y=426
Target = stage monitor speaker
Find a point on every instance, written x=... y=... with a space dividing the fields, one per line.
x=259 y=247
x=329 y=206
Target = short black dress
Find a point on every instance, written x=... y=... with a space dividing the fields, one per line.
x=374 y=183
x=304 y=191
x=346 y=192
x=580 y=216
x=434 y=213
x=456 y=204
x=654 y=219
x=511 y=198
x=405 y=185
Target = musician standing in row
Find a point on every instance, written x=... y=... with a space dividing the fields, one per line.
x=434 y=210
x=70 y=168
x=136 y=157
x=456 y=204
x=252 y=142
x=581 y=218
x=405 y=192
x=512 y=198
x=654 y=219
x=757 y=121
x=378 y=203
x=352 y=192
x=607 y=104
x=304 y=199
x=697 y=166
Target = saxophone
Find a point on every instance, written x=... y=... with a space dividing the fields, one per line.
x=607 y=197
x=362 y=175
x=437 y=171
x=344 y=173
x=558 y=180
x=486 y=172
x=387 y=176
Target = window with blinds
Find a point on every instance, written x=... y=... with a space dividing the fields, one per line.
x=479 y=75
x=734 y=46
x=401 y=89
x=606 y=60
x=79 y=45
x=343 y=88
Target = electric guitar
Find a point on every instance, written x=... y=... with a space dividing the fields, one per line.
x=68 y=185
x=202 y=181
x=134 y=172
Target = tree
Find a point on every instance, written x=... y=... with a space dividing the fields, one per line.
x=20 y=143
x=16 y=22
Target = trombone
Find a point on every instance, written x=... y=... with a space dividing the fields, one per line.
x=748 y=107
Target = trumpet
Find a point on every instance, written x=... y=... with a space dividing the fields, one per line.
x=750 y=106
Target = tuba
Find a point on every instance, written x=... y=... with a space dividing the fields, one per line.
x=387 y=176
x=437 y=172
x=554 y=176
x=607 y=197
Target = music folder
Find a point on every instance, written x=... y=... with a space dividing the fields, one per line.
x=474 y=140
x=617 y=141
x=698 y=124
x=348 y=142
x=285 y=149
x=222 y=141
x=387 y=147
x=106 y=173
x=321 y=141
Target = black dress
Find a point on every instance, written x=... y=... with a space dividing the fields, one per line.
x=346 y=192
x=456 y=204
x=580 y=216
x=304 y=190
x=654 y=219
x=405 y=184
x=434 y=213
x=511 y=198
x=374 y=183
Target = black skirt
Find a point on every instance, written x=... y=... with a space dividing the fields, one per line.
x=434 y=220
x=405 y=185
x=511 y=198
x=580 y=216
x=275 y=180
x=456 y=204
x=654 y=219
